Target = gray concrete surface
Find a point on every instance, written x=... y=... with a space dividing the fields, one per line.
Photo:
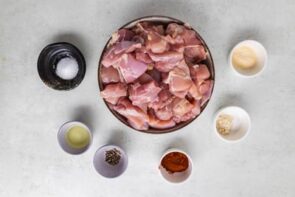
x=31 y=161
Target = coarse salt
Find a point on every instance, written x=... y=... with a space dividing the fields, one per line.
x=67 y=68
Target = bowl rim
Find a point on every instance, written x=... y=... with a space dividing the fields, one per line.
x=177 y=126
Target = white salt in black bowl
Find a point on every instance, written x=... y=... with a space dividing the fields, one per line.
x=64 y=78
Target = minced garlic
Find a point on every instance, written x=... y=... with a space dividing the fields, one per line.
x=224 y=123
x=244 y=57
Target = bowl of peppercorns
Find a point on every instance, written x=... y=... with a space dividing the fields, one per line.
x=110 y=161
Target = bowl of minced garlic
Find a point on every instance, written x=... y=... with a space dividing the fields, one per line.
x=232 y=124
x=248 y=58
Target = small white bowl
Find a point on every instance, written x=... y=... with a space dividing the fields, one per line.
x=104 y=168
x=261 y=54
x=176 y=177
x=240 y=126
x=61 y=136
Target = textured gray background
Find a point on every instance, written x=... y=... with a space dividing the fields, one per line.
x=32 y=163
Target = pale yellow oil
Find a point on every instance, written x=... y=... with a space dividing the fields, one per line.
x=77 y=137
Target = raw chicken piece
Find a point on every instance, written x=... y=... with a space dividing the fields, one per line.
x=195 y=92
x=179 y=80
x=143 y=28
x=140 y=28
x=145 y=93
x=159 y=124
x=199 y=73
x=112 y=92
x=181 y=94
x=169 y=56
x=188 y=36
x=166 y=61
x=150 y=75
x=206 y=89
x=203 y=72
x=114 y=54
x=196 y=110
x=126 y=46
x=143 y=107
x=181 y=107
x=110 y=58
x=158 y=29
x=113 y=100
x=156 y=43
x=164 y=99
x=138 y=39
x=205 y=86
x=134 y=115
x=146 y=27
x=183 y=66
x=190 y=45
x=125 y=34
x=165 y=66
x=177 y=41
x=144 y=57
x=131 y=68
x=195 y=53
x=122 y=34
x=109 y=75
x=164 y=113
x=174 y=30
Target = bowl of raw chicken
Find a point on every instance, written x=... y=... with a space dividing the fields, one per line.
x=156 y=74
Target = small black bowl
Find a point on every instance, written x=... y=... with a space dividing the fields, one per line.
x=48 y=59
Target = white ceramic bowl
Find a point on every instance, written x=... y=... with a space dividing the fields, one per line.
x=261 y=54
x=61 y=137
x=240 y=127
x=177 y=177
x=104 y=168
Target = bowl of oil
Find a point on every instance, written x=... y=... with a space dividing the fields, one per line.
x=74 y=137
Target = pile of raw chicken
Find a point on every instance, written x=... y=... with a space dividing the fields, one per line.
x=153 y=75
